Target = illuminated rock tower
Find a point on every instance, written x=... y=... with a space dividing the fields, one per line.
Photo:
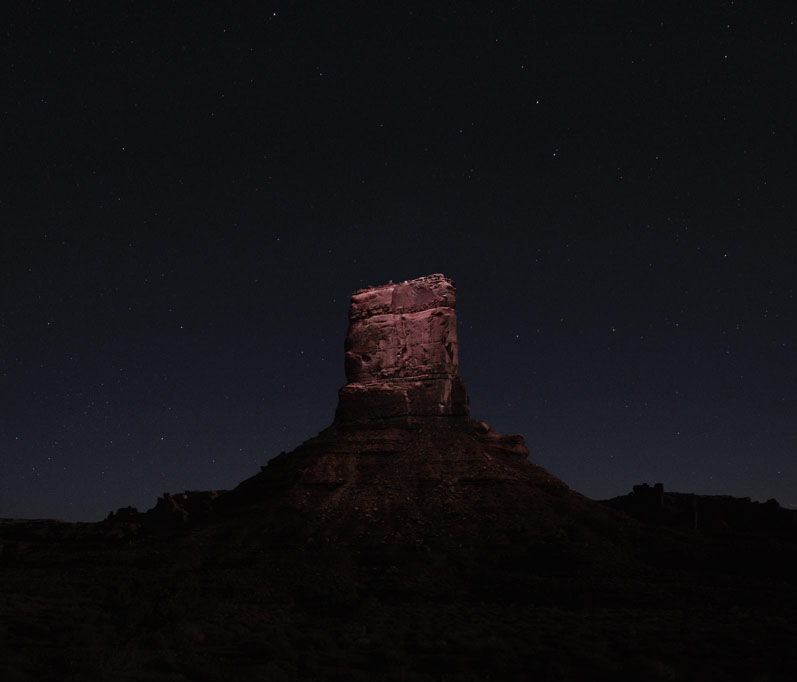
x=402 y=353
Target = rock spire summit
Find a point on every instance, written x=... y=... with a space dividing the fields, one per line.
x=402 y=352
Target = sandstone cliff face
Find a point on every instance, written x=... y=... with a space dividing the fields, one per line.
x=402 y=352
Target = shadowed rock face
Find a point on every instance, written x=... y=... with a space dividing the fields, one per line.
x=402 y=352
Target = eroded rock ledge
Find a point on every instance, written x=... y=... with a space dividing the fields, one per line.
x=402 y=352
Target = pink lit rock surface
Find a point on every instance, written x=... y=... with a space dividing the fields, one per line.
x=402 y=352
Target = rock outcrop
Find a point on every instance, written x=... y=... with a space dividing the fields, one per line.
x=403 y=462
x=709 y=514
x=402 y=353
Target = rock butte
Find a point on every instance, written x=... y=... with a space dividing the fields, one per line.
x=402 y=353
x=402 y=424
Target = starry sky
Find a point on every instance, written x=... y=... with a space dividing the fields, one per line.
x=191 y=191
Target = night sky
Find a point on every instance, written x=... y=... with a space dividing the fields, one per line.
x=191 y=191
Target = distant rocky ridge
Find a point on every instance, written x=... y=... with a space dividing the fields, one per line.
x=711 y=514
x=172 y=508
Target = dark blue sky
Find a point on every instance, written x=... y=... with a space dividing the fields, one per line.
x=190 y=193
